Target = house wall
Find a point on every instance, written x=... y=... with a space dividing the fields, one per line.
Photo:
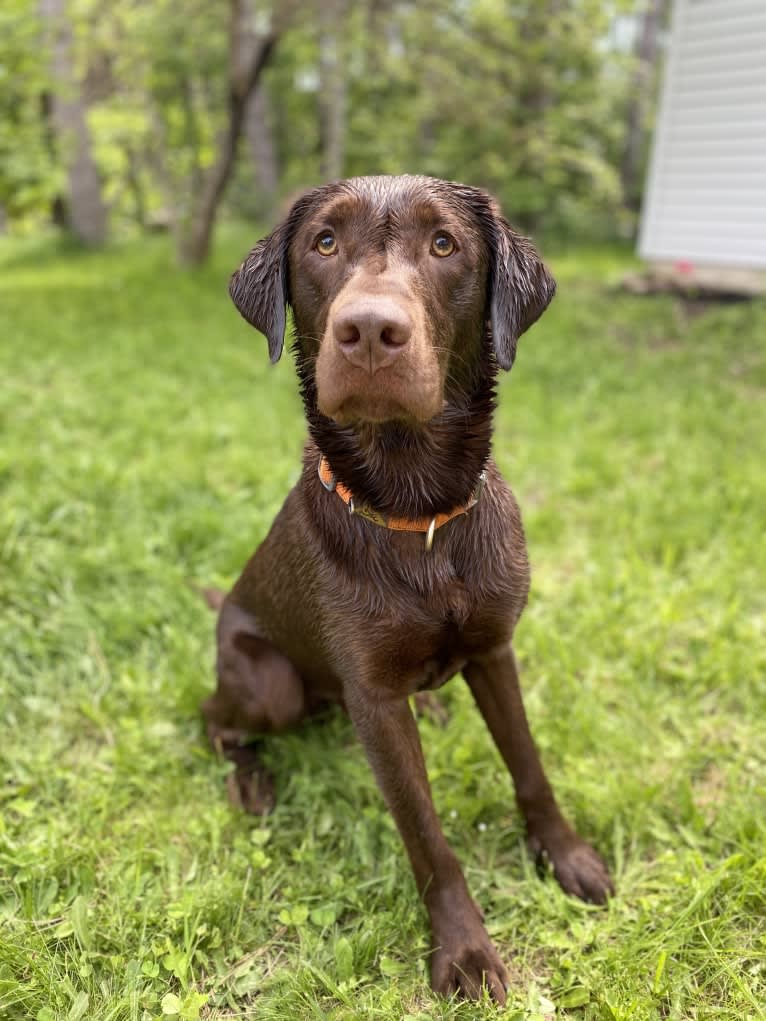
x=705 y=200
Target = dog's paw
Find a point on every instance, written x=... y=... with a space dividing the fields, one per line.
x=251 y=789
x=466 y=965
x=577 y=867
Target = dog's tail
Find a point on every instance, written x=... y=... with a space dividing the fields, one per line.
x=214 y=597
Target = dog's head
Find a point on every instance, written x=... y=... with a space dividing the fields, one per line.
x=397 y=285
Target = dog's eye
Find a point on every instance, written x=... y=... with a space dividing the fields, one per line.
x=442 y=245
x=326 y=244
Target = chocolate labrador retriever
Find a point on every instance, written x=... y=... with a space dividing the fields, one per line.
x=398 y=560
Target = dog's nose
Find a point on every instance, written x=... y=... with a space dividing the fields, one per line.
x=372 y=334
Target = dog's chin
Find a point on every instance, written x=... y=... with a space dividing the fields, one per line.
x=362 y=410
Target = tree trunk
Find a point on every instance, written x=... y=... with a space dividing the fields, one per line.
x=639 y=102
x=195 y=241
x=332 y=87
x=86 y=212
x=260 y=141
x=248 y=56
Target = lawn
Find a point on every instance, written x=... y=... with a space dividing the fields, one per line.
x=146 y=444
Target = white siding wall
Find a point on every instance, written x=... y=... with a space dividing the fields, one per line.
x=706 y=192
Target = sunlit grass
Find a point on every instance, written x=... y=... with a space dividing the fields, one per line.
x=146 y=444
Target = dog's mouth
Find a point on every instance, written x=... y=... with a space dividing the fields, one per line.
x=362 y=411
x=369 y=406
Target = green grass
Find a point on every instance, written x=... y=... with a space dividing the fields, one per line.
x=146 y=443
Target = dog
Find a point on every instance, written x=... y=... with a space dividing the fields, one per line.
x=398 y=559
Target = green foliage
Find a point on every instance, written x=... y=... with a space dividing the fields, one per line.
x=514 y=101
x=163 y=100
x=145 y=446
x=525 y=98
x=28 y=175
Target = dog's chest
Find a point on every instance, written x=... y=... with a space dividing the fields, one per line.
x=426 y=635
x=417 y=616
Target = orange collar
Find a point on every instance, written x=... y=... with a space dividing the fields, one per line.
x=427 y=525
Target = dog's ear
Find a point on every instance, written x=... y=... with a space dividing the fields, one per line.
x=521 y=288
x=260 y=288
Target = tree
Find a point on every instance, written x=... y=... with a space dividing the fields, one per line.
x=85 y=209
x=249 y=53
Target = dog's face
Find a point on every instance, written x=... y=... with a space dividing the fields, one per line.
x=394 y=282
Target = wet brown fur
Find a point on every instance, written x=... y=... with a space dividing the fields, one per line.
x=332 y=607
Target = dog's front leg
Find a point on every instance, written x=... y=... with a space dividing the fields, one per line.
x=463 y=955
x=494 y=682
